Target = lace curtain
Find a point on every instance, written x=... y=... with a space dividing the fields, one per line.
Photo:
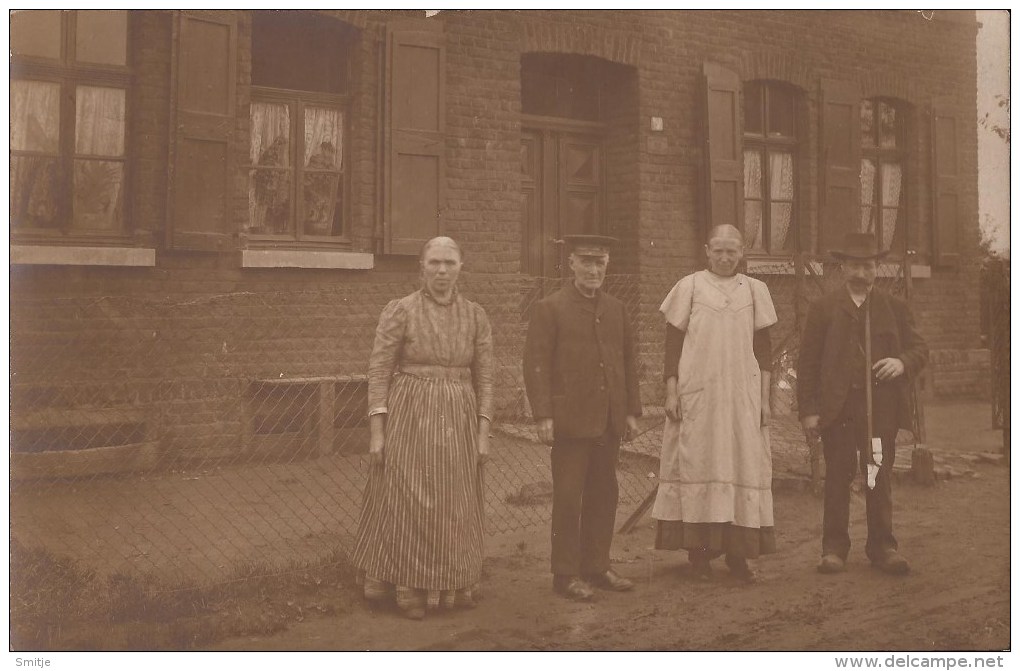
x=270 y=180
x=268 y=184
x=781 y=193
x=324 y=138
x=99 y=131
x=781 y=178
x=892 y=186
x=35 y=116
x=35 y=127
x=867 y=196
x=892 y=182
x=752 y=202
x=323 y=160
x=99 y=121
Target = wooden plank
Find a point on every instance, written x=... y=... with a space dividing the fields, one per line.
x=80 y=463
x=314 y=379
x=57 y=417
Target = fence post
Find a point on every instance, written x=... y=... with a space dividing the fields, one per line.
x=920 y=430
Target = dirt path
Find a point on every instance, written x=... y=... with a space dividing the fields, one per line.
x=957 y=597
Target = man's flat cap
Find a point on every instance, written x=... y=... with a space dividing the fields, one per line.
x=588 y=245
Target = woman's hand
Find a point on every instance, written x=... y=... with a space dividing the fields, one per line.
x=673 y=401
x=810 y=425
x=377 y=441
x=483 y=440
x=544 y=428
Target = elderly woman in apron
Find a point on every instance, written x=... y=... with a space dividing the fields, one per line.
x=715 y=487
x=419 y=539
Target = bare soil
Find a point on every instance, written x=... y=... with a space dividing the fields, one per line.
x=956 y=535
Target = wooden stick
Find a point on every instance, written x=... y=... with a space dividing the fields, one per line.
x=867 y=368
x=636 y=516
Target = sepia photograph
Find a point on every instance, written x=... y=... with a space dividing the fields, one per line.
x=510 y=330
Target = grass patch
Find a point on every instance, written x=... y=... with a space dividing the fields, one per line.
x=58 y=604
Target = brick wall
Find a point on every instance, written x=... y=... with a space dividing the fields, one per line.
x=654 y=191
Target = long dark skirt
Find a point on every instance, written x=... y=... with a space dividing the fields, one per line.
x=716 y=538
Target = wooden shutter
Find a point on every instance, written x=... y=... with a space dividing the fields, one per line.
x=204 y=68
x=724 y=198
x=840 y=197
x=945 y=189
x=416 y=137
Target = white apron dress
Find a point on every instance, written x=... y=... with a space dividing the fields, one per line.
x=716 y=463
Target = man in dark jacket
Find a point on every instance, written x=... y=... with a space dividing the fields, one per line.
x=832 y=397
x=580 y=370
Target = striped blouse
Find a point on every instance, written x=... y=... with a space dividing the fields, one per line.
x=417 y=330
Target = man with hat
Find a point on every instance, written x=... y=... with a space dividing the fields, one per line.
x=833 y=373
x=580 y=371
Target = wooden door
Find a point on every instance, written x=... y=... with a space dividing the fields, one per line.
x=562 y=185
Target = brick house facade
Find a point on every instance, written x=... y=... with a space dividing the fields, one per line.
x=502 y=129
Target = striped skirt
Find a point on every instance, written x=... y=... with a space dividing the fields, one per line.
x=421 y=518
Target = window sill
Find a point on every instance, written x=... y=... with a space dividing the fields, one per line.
x=292 y=258
x=82 y=256
x=891 y=268
x=764 y=266
x=778 y=266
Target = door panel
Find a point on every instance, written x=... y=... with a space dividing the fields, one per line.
x=581 y=162
x=562 y=189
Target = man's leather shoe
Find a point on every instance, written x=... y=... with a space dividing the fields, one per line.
x=831 y=564
x=611 y=581
x=573 y=588
x=892 y=563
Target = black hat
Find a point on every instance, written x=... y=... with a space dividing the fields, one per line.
x=588 y=245
x=858 y=247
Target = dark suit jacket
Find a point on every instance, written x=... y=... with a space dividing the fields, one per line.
x=580 y=365
x=826 y=369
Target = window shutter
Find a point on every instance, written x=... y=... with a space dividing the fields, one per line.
x=946 y=187
x=203 y=113
x=724 y=198
x=416 y=138
x=840 y=198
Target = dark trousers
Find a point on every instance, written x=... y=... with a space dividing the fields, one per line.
x=585 y=494
x=845 y=443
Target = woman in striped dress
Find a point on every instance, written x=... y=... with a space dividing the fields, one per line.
x=429 y=397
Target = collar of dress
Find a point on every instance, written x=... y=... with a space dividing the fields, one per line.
x=428 y=294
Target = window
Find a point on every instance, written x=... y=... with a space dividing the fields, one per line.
x=882 y=143
x=770 y=149
x=563 y=85
x=298 y=181
x=68 y=106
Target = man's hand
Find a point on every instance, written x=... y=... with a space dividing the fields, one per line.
x=810 y=424
x=673 y=403
x=544 y=427
x=631 y=432
x=483 y=441
x=888 y=369
x=766 y=414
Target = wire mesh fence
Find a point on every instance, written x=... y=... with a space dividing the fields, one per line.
x=192 y=437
